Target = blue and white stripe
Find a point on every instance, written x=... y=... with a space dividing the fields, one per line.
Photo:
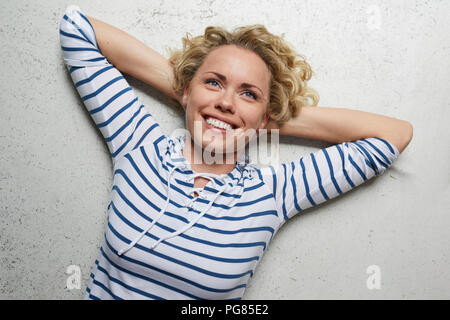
x=216 y=256
x=328 y=173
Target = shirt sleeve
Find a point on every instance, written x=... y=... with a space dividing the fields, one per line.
x=122 y=119
x=326 y=174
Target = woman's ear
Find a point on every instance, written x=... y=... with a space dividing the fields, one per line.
x=264 y=121
x=184 y=98
x=263 y=124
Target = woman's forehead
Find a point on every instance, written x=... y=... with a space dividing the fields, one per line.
x=237 y=64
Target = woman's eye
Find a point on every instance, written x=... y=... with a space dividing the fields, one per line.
x=213 y=82
x=251 y=95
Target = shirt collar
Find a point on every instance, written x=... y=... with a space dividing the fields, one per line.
x=174 y=152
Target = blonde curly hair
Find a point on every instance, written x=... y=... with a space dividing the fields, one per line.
x=289 y=71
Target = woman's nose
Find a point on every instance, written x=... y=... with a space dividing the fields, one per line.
x=226 y=102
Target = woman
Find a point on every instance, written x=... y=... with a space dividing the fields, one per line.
x=185 y=229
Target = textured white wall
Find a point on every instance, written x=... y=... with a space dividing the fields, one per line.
x=387 y=57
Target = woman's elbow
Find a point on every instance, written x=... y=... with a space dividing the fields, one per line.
x=399 y=135
x=404 y=136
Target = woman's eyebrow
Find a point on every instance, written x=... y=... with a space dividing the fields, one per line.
x=244 y=85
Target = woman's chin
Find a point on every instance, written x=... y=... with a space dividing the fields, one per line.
x=218 y=148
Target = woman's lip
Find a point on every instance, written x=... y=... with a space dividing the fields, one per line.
x=208 y=126
x=205 y=116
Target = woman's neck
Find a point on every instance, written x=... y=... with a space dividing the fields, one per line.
x=194 y=155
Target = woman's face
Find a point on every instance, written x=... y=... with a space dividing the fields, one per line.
x=227 y=99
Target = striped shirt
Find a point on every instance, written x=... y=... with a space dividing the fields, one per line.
x=161 y=242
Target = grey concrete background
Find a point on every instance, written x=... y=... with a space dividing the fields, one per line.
x=387 y=57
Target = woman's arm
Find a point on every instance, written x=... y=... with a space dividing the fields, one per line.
x=133 y=57
x=339 y=125
x=122 y=119
x=335 y=125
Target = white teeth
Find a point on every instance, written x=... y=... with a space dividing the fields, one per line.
x=219 y=124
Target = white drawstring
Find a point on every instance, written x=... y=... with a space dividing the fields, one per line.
x=161 y=212
x=198 y=190
x=164 y=208
x=194 y=221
